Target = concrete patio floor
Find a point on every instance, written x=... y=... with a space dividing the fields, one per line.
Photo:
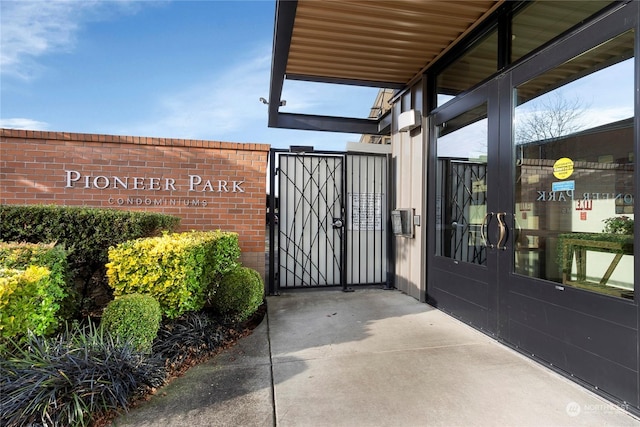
x=370 y=358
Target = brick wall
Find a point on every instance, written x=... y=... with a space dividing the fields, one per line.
x=209 y=184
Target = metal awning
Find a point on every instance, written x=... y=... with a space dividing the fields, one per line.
x=384 y=44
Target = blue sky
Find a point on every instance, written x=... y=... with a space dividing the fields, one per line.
x=178 y=69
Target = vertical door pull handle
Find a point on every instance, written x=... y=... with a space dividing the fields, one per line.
x=483 y=229
x=503 y=230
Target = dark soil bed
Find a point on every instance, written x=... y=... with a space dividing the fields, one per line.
x=188 y=341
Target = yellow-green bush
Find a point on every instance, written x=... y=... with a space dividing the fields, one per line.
x=19 y=256
x=86 y=233
x=240 y=293
x=133 y=319
x=177 y=269
x=29 y=301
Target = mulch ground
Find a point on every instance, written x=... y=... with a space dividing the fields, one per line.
x=232 y=333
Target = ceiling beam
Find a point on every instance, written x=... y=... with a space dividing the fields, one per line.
x=325 y=123
x=365 y=83
x=285 y=17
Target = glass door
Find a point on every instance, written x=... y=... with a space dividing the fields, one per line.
x=465 y=223
x=461 y=190
x=574 y=182
x=532 y=188
x=566 y=279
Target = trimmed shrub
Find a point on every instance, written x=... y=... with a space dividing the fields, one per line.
x=72 y=379
x=240 y=293
x=29 y=301
x=21 y=256
x=133 y=319
x=86 y=233
x=177 y=269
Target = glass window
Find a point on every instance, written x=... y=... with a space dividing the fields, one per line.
x=574 y=190
x=541 y=21
x=461 y=199
x=531 y=27
x=480 y=62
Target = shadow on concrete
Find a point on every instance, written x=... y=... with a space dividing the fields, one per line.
x=369 y=358
x=234 y=388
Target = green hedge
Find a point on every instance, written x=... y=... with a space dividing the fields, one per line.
x=86 y=232
x=134 y=320
x=179 y=269
x=29 y=301
x=240 y=293
x=32 y=288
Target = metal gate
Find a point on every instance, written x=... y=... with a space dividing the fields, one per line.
x=466 y=207
x=328 y=215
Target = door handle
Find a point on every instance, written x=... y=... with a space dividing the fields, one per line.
x=337 y=223
x=483 y=229
x=503 y=231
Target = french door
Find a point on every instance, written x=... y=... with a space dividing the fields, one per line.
x=531 y=221
x=463 y=269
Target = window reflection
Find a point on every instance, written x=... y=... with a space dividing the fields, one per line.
x=532 y=25
x=573 y=133
x=541 y=21
x=461 y=199
x=477 y=64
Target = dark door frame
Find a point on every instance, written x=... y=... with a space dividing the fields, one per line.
x=480 y=309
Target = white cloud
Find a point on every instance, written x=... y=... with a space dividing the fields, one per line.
x=30 y=29
x=226 y=107
x=218 y=107
x=22 y=123
x=594 y=117
x=33 y=28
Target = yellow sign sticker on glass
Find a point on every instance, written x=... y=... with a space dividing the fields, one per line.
x=563 y=168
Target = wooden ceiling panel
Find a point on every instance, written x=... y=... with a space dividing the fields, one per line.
x=377 y=40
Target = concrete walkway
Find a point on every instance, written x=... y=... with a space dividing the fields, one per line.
x=370 y=358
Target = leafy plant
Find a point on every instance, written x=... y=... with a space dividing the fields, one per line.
x=71 y=379
x=29 y=301
x=192 y=336
x=240 y=292
x=177 y=269
x=86 y=233
x=133 y=319
x=34 y=306
x=618 y=225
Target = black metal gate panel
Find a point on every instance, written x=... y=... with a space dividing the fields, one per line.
x=311 y=212
x=328 y=222
x=465 y=210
